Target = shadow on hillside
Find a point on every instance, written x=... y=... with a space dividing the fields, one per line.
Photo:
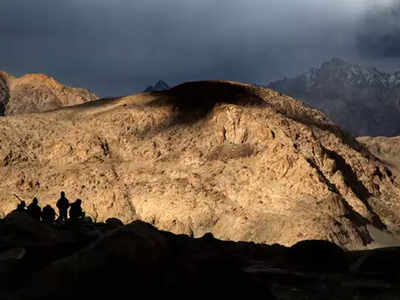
x=194 y=101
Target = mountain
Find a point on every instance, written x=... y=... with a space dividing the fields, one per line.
x=362 y=100
x=37 y=92
x=240 y=161
x=158 y=87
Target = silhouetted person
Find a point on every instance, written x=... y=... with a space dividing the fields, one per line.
x=62 y=205
x=21 y=206
x=34 y=209
x=75 y=212
x=48 y=214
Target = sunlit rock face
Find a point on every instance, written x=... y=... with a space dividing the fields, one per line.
x=240 y=161
x=36 y=93
x=362 y=100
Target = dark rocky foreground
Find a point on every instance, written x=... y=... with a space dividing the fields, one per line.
x=116 y=261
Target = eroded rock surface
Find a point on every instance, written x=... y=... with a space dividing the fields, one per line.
x=243 y=162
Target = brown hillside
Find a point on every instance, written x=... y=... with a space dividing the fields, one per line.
x=36 y=93
x=243 y=162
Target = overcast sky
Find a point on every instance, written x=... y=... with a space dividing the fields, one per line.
x=121 y=46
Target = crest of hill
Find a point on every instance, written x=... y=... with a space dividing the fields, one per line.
x=240 y=161
x=36 y=93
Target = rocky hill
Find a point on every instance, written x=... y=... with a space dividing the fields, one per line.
x=36 y=93
x=362 y=100
x=240 y=161
x=158 y=87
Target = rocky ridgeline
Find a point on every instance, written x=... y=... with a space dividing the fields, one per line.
x=86 y=260
x=362 y=100
x=36 y=93
x=239 y=161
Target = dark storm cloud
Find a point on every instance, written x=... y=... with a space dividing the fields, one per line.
x=380 y=32
x=121 y=46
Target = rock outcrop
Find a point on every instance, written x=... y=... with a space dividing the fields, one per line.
x=240 y=161
x=36 y=93
x=362 y=100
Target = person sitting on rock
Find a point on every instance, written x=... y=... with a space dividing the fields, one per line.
x=21 y=206
x=48 y=214
x=76 y=213
x=62 y=205
x=34 y=209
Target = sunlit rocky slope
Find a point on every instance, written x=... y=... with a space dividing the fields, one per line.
x=242 y=162
x=37 y=92
x=387 y=149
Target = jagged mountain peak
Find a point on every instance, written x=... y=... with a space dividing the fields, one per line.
x=158 y=87
x=336 y=61
x=363 y=100
x=349 y=74
x=162 y=83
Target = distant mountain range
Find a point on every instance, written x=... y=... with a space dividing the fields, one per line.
x=158 y=87
x=364 y=101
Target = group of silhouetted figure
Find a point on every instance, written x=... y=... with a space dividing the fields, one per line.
x=48 y=214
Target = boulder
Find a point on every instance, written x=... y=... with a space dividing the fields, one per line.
x=127 y=258
x=317 y=256
x=114 y=222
